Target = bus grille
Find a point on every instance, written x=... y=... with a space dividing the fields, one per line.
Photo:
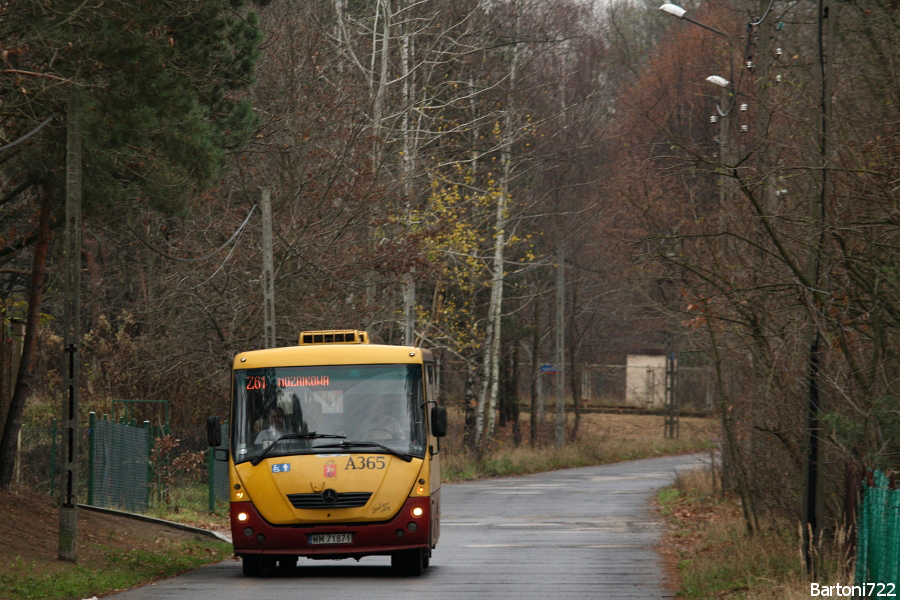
x=346 y=500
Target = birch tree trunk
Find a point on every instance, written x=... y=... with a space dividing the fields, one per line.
x=492 y=346
x=407 y=167
x=381 y=92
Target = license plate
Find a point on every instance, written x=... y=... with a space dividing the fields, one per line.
x=330 y=538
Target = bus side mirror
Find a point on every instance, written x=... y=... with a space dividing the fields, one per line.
x=439 y=421
x=213 y=432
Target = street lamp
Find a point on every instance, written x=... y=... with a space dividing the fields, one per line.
x=677 y=11
x=732 y=94
x=719 y=81
x=726 y=186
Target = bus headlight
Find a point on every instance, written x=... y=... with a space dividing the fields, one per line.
x=242 y=517
x=417 y=511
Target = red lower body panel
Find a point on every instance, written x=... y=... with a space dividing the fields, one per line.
x=257 y=536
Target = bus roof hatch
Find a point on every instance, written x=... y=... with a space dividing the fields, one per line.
x=337 y=336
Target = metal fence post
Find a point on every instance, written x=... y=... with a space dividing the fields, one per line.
x=148 y=429
x=92 y=419
x=211 y=467
x=53 y=458
x=226 y=439
x=17 y=468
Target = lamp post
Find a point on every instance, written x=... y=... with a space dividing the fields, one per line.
x=813 y=496
x=726 y=186
x=726 y=140
x=677 y=11
x=725 y=137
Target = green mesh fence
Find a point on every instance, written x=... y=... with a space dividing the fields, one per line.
x=878 y=537
x=119 y=455
x=119 y=469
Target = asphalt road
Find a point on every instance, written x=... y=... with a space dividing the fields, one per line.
x=578 y=533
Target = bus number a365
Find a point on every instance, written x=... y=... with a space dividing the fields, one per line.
x=365 y=462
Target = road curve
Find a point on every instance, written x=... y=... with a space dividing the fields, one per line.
x=576 y=533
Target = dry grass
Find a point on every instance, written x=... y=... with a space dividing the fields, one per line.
x=604 y=438
x=711 y=555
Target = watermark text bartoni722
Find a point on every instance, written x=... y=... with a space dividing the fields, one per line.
x=865 y=590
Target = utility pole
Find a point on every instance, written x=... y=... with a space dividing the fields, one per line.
x=813 y=498
x=727 y=184
x=268 y=271
x=763 y=65
x=68 y=505
x=560 y=345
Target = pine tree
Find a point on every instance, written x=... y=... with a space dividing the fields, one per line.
x=162 y=83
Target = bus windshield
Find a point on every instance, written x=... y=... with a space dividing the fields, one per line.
x=302 y=410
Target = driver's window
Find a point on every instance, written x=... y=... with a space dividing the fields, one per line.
x=275 y=425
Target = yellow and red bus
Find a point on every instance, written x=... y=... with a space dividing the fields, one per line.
x=334 y=453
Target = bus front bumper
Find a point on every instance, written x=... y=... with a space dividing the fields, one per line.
x=405 y=531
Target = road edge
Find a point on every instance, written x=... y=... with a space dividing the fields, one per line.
x=222 y=537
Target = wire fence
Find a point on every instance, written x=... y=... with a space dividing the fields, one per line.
x=117 y=466
x=139 y=468
x=878 y=537
x=128 y=465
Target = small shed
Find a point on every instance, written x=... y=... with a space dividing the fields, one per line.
x=645 y=383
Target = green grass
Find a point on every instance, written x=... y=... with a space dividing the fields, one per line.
x=193 y=516
x=666 y=497
x=124 y=570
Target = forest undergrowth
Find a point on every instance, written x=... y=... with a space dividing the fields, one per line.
x=710 y=554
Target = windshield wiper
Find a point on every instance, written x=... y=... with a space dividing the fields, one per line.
x=311 y=435
x=350 y=444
